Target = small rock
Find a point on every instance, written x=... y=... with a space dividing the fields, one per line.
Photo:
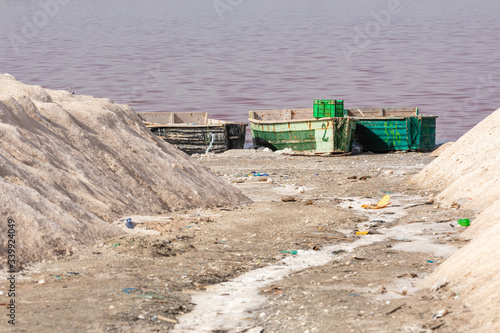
x=269 y=180
x=41 y=282
x=142 y=317
x=301 y=189
x=388 y=172
x=111 y=307
x=288 y=199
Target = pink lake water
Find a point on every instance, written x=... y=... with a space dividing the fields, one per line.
x=227 y=57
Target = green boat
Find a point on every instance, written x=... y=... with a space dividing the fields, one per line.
x=300 y=131
x=390 y=129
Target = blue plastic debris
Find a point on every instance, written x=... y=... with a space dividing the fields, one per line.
x=127 y=290
x=430 y=261
x=256 y=174
x=129 y=224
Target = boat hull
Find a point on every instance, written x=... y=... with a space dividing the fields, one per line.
x=392 y=134
x=323 y=135
x=195 y=133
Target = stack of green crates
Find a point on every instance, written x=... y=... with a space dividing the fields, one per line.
x=328 y=108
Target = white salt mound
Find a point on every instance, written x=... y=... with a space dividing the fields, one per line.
x=469 y=172
x=70 y=164
x=440 y=149
x=487 y=219
x=479 y=145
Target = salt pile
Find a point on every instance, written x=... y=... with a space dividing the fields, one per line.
x=468 y=172
x=71 y=164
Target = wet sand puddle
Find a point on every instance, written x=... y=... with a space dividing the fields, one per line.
x=231 y=306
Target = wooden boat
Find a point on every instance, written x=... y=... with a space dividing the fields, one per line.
x=389 y=129
x=195 y=133
x=300 y=131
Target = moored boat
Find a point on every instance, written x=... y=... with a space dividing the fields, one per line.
x=390 y=129
x=194 y=132
x=298 y=130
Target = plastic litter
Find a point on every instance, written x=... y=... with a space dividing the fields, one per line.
x=363 y=232
x=256 y=174
x=128 y=290
x=384 y=202
x=291 y=252
x=430 y=261
x=464 y=222
x=129 y=224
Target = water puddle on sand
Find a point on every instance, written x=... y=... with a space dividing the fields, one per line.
x=231 y=306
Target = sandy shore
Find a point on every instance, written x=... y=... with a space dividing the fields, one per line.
x=173 y=265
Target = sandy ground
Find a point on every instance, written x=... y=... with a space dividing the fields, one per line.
x=157 y=278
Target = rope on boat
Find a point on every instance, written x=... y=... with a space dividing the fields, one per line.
x=211 y=142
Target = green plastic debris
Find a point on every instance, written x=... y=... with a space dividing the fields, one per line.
x=464 y=222
x=291 y=252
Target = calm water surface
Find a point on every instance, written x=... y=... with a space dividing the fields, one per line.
x=227 y=57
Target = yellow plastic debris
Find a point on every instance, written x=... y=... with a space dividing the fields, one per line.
x=384 y=202
x=362 y=232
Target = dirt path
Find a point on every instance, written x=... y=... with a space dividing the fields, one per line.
x=174 y=270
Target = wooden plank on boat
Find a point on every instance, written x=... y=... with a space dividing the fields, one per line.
x=187 y=118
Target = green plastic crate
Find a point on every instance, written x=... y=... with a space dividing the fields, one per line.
x=328 y=108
